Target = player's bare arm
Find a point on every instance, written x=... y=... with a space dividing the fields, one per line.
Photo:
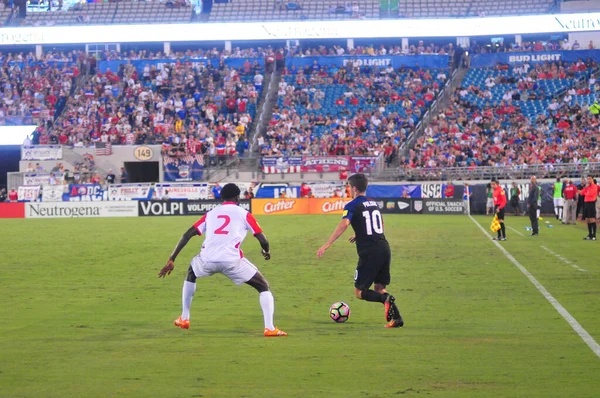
x=339 y=230
x=168 y=268
x=264 y=244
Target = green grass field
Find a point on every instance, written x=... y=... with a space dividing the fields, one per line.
x=84 y=315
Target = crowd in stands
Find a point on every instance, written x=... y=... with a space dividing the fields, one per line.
x=183 y=106
x=471 y=134
x=350 y=110
x=418 y=48
x=33 y=92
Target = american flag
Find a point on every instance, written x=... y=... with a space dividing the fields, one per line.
x=103 y=148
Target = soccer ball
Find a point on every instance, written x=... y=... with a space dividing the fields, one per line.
x=339 y=312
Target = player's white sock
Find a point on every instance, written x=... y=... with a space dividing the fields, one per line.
x=267 y=303
x=187 y=293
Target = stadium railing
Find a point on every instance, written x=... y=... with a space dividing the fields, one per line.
x=569 y=170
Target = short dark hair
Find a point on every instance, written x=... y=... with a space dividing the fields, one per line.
x=230 y=192
x=359 y=181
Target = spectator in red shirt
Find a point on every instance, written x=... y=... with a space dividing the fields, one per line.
x=343 y=174
x=570 y=196
x=13 y=196
x=449 y=191
x=305 y=190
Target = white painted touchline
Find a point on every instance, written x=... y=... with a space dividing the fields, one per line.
x=585 y=336
x=517 y=232
x=563 y=259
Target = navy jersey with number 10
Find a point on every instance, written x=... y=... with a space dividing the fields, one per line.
x=367 y=222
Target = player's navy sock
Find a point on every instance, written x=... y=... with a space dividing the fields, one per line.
x=503 y=229
x=372 y=295
x=590 y=229
x=500 y=232
x=594 y=226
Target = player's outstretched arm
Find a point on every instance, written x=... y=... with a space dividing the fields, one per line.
x=264 y=243
x=339 y=230
x=168 y=268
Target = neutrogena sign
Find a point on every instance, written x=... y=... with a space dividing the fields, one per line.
x=461 y=27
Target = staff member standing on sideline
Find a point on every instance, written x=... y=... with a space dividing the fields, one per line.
x=532 y=206
x=590 y=195
x=558 y=199
x=499 y=204
x=570 y=203
x=515 y=192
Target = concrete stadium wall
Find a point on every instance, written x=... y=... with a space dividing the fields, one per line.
x=120 y=155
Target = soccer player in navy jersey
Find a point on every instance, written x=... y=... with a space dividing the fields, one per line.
x=374 y=254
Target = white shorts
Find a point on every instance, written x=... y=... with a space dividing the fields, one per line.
x=490 y=202
x=558 y=202
x=239 y=271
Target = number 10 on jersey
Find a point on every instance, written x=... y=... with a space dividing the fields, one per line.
x=373 y=222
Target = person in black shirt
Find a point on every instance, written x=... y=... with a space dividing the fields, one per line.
x=532 y=206
x=123 y=176
x=374 y=254
x=581 y=185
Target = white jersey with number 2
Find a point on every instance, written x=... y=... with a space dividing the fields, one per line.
x=225 y=228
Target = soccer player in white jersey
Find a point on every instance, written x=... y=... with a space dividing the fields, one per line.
x=225 y=228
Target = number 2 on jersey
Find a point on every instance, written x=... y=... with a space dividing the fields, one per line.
x=221 y=230
x=376 y=224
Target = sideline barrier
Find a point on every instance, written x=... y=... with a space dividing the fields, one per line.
x=144 y=208
x=80 y=209
x=181 y=207
x=12 y=210
x=317 y=206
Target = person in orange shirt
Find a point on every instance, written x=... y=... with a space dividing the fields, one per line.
x=499 y=204
x=590 y=195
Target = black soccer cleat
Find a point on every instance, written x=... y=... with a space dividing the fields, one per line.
x=390 y=308
x=587 y=238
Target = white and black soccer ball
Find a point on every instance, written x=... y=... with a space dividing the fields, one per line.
x=339 y=312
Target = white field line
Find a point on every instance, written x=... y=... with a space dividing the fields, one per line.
x=585 y=336
x=564 y=260
x=515 y=231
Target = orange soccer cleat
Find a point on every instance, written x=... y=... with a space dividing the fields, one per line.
x=182 y=323
x=274 y=333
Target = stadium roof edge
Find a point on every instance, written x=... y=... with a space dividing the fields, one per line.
x=418 y=28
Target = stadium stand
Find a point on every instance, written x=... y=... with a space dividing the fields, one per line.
x=5 y=14
x=507 y=132
x=190 y=106
x=34 y=94
x=349 y=110
x=282 y=10
x=113 y=13
x=529 y=87
x=471 y=8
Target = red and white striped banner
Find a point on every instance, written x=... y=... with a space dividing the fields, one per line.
x=276 y=170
